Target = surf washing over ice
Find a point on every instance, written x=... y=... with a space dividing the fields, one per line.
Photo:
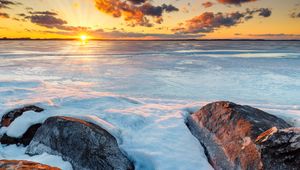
x=142 y=92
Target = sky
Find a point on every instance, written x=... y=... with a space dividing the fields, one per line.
x=151 y=19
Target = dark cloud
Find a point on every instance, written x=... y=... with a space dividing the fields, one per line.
x=148 y=9
x=22 y=15
x=7 y=3
x=235 y=2
x=209 y=22
x=134 y=12
x=29 y=8
x=207 y=4
x=49 y=19
x=264 y=12
x=169 y=8
x=137 y=1
x=157 y=11
x=295 y=12
x=4 y=15
x=295 y=15
x=42 y=13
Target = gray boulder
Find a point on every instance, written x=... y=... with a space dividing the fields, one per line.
x=85 y=145
x=228 y=132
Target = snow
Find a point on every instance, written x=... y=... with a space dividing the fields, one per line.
x=142 y=92
x=20 y=125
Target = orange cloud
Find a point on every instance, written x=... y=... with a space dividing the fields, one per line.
x=208 y=21
x=134 y=12
x=4 y=15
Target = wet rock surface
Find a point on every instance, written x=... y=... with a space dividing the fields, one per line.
x=24 y=165
x=85 y=145
x=228 y=132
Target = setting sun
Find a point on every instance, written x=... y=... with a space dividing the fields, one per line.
x=83 y=37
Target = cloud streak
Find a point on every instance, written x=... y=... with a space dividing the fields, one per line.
x=235 y=2
x=4 y=15
x=7 y=3
x=272 y=36
x=120 y=34
x=50 y=20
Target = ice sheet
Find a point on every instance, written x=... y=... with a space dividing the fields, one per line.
x=142 y=91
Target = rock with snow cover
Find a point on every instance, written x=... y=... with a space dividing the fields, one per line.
x=228 y=133
x=10 y=116
x=85 y=145
x=23 y=165
x=24 y=140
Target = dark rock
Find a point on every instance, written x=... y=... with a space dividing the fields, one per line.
x=281 y=149
x=10 y=116
x=85 y=145
x=24 y=140
x=23 y=165
x=228 y=131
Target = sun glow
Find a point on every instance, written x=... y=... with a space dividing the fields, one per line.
x=83 y=37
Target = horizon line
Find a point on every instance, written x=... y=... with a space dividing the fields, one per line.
x=131 y=39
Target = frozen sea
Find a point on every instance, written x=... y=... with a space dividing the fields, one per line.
x=141 y=91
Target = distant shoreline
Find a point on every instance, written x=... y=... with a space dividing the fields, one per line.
x=75 y=39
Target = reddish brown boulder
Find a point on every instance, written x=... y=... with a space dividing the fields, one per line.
x=10 y=116
x=24 y=165
x=228 y=132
